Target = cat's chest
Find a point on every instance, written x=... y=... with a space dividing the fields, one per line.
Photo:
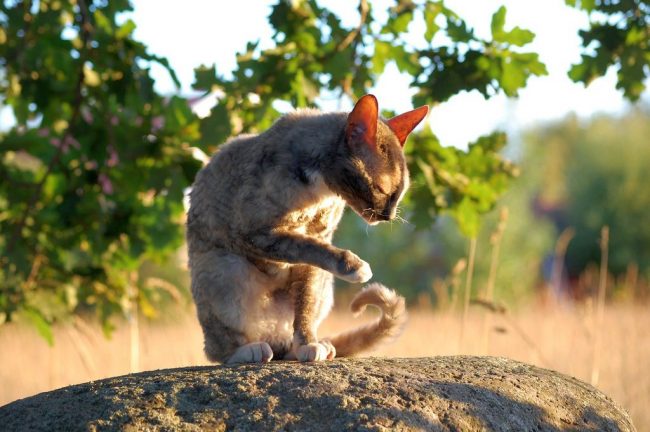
x=320 y=218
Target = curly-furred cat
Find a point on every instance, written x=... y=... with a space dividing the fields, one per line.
x=260 y=226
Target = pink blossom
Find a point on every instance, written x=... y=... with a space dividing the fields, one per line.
x=157 y=123
x=87 y=115
x=113 y=157
x=43 y=132
x=57 y=143
x=105 y=183
x=70 y=141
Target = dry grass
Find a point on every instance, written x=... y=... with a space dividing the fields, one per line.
x=560 y=338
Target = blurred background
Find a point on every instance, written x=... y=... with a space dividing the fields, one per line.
x=525 y=233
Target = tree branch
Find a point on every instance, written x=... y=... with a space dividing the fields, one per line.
x=363 y=10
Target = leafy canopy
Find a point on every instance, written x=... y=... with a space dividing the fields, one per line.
x=618 y=35
x=94 y=170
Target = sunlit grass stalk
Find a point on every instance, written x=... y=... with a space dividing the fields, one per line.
x=83 y=349
x=600 y=305
x=134 y=327
x=498 y=309
x=495 y=241
x=455 y=282
x=632 y=279
x=53 y=362
x=468 y=290
x=558 y=261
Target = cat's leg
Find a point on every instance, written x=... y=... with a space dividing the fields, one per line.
x=231 y=297
x=297 y=248
x=312 y=289
x=220 y=341
x=224 y=345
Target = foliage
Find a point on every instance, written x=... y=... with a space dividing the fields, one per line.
x=618 y=34
x=463 y=184
x=577 y=175
x=590 y=188
x=95 y=167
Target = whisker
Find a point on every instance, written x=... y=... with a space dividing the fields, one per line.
x=398 y=210
x=402 y=220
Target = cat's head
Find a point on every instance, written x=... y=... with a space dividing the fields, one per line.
x=373 y=176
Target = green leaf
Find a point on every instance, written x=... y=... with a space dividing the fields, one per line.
x=458 y=31
x=431 y=12
x=531 y=62
x=498 y=22
x=103 y=22
x=588 y=5
x=42 y=326
x=205 y=77
x=215 y=128
x=405 y=61
x=590 y=68
x=467 y=217
x=519 y=37
x=381 y=56
x=339 y=66
x=125 y=29
x=401 y=23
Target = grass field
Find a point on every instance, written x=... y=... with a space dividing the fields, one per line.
x=561 y=338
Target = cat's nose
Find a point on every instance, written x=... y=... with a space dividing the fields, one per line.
x=387 y=214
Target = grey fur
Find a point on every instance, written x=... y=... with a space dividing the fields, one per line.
x=259 y=232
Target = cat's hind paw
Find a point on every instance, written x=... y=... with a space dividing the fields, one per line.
x=316 y=351
x=255 y=352
x=331 y=350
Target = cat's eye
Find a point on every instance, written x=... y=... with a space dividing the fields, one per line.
x=381 y=189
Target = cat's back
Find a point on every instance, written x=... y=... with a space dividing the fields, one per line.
x=254 y=179
x=248 y=159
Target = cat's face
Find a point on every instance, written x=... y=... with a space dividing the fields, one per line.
x=374 y=176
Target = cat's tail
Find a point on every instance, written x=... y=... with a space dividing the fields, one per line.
x=386 y=328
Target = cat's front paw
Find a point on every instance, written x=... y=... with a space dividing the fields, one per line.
x=316 y=351
x=256 y=352
x=353 y=269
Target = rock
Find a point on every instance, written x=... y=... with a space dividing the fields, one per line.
x=436 y=394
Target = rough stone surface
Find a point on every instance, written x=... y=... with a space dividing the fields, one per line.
x=436 y=394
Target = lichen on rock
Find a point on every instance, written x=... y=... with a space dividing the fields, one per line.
x=458 y=393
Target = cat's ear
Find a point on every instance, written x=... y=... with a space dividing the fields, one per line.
x=403 y=124
x=362 y=121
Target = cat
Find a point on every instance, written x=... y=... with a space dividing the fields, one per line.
x=259 y=230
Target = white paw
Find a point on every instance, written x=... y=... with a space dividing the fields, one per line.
x=360 y=275
x=316 y=351
x=331 y=350
x=256 y=352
